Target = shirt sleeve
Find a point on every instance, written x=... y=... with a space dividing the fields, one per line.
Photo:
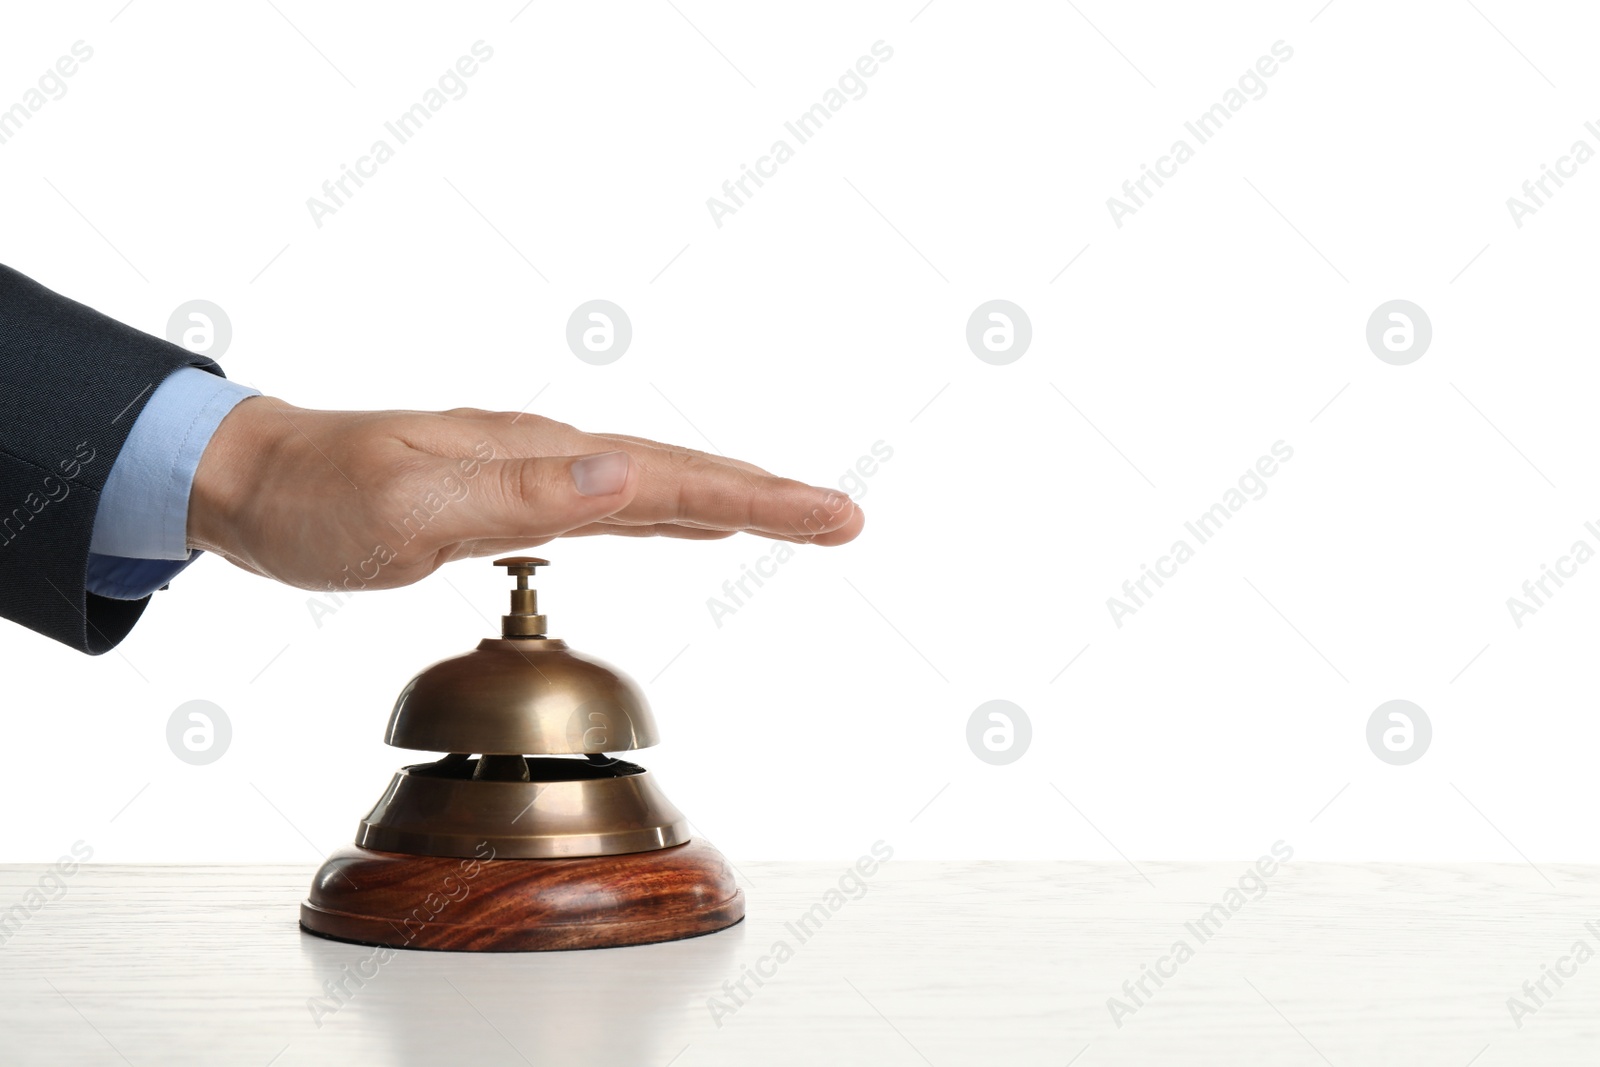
x=140 y=538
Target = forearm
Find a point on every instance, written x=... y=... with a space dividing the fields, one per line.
x=73 y=383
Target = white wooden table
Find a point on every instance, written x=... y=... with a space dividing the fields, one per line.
x=944 y=964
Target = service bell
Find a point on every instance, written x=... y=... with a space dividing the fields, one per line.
x=527 y=834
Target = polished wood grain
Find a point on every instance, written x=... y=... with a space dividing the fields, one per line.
x=522 y=905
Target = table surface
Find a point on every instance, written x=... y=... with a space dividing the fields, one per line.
x=935 y=963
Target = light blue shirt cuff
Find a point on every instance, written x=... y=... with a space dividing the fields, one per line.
x=143 y=516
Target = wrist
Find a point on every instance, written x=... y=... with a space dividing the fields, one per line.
x=229 y=471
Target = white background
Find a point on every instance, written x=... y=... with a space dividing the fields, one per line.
x=828 y=314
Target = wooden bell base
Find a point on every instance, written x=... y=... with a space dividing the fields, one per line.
x=522 y=905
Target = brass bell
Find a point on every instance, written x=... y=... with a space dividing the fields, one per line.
x=528 y=834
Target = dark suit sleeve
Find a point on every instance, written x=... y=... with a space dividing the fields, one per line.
x=72 y=383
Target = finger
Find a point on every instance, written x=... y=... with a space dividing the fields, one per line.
x=845 y=533
x=532 y=436
x=834 y=537
x=686 y=487
x=739 y=463
x=660 y=529
x=511 y=546
x=689 y=490
x=518 y=434
x=543 y=497
x=507 y=546
x=501 y=546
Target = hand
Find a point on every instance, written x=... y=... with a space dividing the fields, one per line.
x=378 y=499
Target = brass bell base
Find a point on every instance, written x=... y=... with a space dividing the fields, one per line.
x=559 y=809
x=522 y=905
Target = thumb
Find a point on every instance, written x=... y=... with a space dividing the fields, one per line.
x=546 y=496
